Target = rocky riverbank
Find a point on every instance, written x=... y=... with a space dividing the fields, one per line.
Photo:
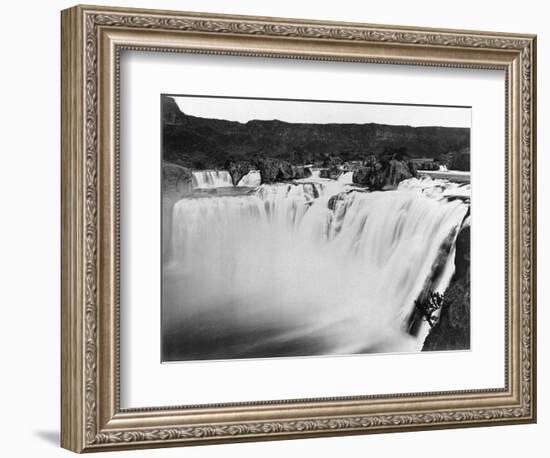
x=452 y=331
x=177 y=182
x=384 y=174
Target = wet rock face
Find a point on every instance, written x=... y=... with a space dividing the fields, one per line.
x=301 y=172
x=332 y=172
x=460 y=161
x=425 y=165
x=273 y=170
x=238 y=169
x=452 y=331
x=276 y=170
x=383 y=175
x=176 y=180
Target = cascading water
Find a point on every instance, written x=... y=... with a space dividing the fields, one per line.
x=302 y=269
x=252 y=179
x=346 y=178
x=204 y=179
x=436 y=187
x=315 y=173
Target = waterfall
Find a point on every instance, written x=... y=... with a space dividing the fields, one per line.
x=346 y=178
x=204 y=179
x=436 y=187
x=251 y=179
x=443 y=168
x=320 y=267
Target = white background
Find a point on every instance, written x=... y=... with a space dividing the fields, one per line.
x=146 y=75
x=29 y=241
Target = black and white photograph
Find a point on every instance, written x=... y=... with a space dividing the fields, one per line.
x=302 y=228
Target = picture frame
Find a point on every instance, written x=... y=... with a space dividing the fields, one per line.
x=93 y=39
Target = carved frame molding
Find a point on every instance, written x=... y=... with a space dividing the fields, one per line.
x=91 y=417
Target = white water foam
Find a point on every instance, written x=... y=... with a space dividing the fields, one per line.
x=320 y=261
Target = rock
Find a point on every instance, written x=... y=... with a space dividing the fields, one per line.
x=414 y=169
x=332 y=172
x=333 y=201
x=398 y=171
x=330 y=161
x=176 y=180
x=452 y=331
x=457 y=160
x=460 y=161
x=276 y=170
x=383 y=175
x=238 y=169
x=424 y=164
x=301 y=172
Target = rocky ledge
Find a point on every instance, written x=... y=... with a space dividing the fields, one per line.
x=452 y=331
x=384 y=174
x=238 y=169
x=276 y=170
x=271 y=170
x=177 y=182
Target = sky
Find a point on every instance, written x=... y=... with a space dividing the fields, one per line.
x=244 y=110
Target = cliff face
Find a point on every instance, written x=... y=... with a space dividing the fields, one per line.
x=452 y=331
x=208 y=143
x=385 y=175
x=176 y=180
x=176 y=183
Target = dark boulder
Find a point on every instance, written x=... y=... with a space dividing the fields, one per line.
x=176 y=180
x=384 y=175
x=238 y=169
x=332 y=172
x=398 y=171
x=424 y=164
x=301 y=172
x=413 y=168
x=330 y=161
x=460 y=161
x=456 y=160
x=333 y=201
x=276 y=170
x=452 y=331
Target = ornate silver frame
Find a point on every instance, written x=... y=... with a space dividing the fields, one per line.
x=92 y=38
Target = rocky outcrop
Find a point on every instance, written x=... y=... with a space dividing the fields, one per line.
x=452 y=331
x=457 y=160
x=177 y=182
x=238 y=169
x=332 y=172
x=301 y=172
x=424 y=164
x=276 y=170
x=460 y=161
x=272 y=170
x=383 y=175
x=205 y=143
